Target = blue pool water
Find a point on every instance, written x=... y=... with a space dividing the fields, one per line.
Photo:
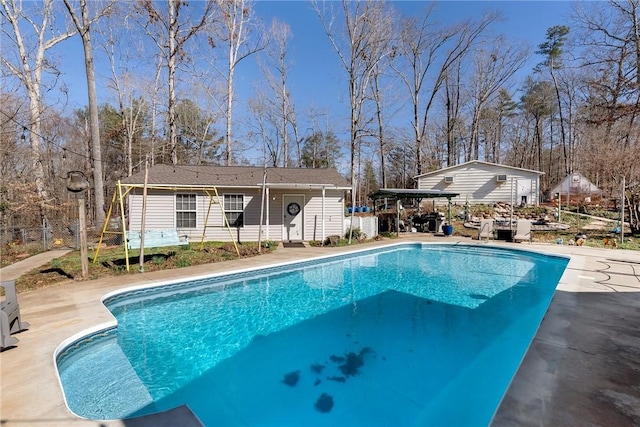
x=409 y=335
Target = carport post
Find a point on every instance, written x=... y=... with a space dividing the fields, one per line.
x=398 y=217
x=622 y=211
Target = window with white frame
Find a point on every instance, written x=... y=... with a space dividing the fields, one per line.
x=186 y=211
x=233 y=209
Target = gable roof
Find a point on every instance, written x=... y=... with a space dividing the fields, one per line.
x=237 y=176
x=476 y=162
x=575 y=182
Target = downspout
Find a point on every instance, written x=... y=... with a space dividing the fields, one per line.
x=323 y=217
x=398 y=217
x=264 y=184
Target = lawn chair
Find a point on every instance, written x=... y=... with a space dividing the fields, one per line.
x=486 y=229
x=523 y=231
x=10 y=319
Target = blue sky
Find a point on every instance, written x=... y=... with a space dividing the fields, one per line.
x=316 y=77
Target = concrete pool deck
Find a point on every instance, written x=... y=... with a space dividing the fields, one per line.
x=582 y=368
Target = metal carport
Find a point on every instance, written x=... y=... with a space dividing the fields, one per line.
x=404 y=193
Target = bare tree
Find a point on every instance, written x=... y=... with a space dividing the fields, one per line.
x=493 y=67
x=276 y=70
x=27 y=63
x=83 y=25
x=358 y=46
x=494 y=124
x=453 y=104
x=170 y=32
x=379 y=90
x=235 y=29
x=611 y=34
x=428 y=51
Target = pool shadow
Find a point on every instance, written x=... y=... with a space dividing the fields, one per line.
x=441 y=342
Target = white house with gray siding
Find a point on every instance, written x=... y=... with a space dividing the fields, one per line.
x=295 y=204
x=485 y=183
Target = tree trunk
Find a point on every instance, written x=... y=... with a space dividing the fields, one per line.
x=171 y=65
x=94 y=120
x=229 y=111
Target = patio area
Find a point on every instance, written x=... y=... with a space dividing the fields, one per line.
x=583 y=366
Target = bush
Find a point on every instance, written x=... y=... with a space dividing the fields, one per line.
x=356 y=233
x=183 y=262
x=269 y=244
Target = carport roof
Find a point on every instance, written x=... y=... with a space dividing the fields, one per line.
x=406 y=193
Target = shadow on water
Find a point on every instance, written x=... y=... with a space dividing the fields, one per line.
x=403 y=351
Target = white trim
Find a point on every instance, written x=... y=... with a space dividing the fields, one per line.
x=175 y=209
x=244 y=207
x=302 y=212
x=476 y=162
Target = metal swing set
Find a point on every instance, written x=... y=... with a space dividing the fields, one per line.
x=117 y=201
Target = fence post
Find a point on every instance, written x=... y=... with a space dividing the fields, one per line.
x=76 y=235
x=44 y=235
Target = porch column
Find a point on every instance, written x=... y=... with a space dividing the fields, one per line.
x=323 y=229
x=266 y=193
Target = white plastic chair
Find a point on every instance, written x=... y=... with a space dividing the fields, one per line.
x=523 y=231
x=486 y=229
x=10 y=319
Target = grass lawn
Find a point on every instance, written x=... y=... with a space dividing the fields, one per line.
x=112 y=262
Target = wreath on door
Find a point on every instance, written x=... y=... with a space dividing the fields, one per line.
x=293 y=208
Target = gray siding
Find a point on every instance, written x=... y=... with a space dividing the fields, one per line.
x=478 y=183
x=160 y=210
x=161 y=214
x=333 y=215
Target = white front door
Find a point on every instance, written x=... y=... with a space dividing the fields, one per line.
x=293 y=211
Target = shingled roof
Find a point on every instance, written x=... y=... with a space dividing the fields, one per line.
x=236 y=176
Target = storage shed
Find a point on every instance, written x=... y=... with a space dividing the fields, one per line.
x=485 y=183
x=575 y=184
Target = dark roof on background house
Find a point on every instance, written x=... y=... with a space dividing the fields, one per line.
x=476 y=162
x=236 y=176
x=401 y=193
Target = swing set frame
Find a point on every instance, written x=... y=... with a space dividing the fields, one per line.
x=123 y=190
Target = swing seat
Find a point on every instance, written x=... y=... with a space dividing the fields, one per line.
x=156 y=238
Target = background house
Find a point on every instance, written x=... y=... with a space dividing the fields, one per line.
x=575 y=184
x=299 y=204
x=483 y=182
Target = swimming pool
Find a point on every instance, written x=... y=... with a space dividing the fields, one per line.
x=412 y=334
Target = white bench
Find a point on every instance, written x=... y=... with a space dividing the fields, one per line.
x=156 y=238
x=10 y=320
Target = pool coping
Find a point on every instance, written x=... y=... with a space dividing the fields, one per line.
x=30 y=389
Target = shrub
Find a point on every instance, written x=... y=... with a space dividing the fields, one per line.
x=183 y=262
x=269 y=244
x=356 y=233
